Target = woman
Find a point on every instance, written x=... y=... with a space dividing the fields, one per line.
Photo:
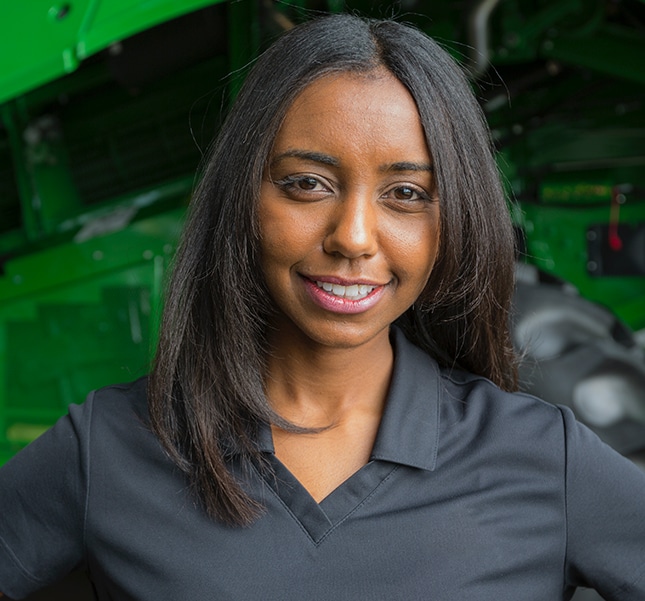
x=327 y=416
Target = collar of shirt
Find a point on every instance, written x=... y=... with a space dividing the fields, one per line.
x=409 y=430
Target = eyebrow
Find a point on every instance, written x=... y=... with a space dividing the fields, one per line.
x=325 y=159
x=307 y=155
x=407 y=166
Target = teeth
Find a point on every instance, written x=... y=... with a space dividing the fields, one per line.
x=353 y=292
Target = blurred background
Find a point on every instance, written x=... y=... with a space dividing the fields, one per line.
x=108 y=106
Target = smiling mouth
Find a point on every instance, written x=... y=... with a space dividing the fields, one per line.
x=353 y=292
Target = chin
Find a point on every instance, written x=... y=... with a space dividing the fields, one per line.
x=346 y=336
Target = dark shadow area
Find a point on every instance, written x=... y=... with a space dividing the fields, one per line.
x=76 y=587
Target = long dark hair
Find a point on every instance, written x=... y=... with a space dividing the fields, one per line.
x=206 y=388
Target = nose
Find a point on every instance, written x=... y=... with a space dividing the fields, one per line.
x=352 y=231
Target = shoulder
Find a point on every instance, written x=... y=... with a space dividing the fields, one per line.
x=474 y=417
x=465 y=398
x=132 y=395
x=122 y=452
x=112 y=421
x=481 y=396
x=130 y=392
x=115 y=405
x=503 y=428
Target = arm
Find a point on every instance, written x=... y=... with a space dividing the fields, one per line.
x=42 y=495
x=605 y=517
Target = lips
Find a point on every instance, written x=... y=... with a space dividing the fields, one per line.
x=343 y=296
x=351 y=292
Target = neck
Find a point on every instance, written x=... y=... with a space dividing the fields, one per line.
x=317 y=386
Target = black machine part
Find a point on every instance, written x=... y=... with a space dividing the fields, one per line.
x=577 y=353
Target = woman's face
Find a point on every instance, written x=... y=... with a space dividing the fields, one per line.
x=348 y=216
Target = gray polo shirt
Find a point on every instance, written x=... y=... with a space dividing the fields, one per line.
x=471 y=494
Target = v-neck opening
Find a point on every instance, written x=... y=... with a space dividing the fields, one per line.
x=408 y=436
x=319 y=519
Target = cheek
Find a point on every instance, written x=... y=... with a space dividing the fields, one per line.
x=432 y=250
x=287 y=234
x=417 y=247
x=273 y=230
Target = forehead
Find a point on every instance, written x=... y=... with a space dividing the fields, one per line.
x=352 y=110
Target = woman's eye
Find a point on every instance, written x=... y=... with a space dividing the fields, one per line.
x=407 y=193
x=301 y=183
x=306 y=183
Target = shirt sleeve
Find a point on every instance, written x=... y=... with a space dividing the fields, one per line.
x=605 y=498
x=43 y=492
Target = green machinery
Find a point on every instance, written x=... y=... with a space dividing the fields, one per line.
x=107 y=107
